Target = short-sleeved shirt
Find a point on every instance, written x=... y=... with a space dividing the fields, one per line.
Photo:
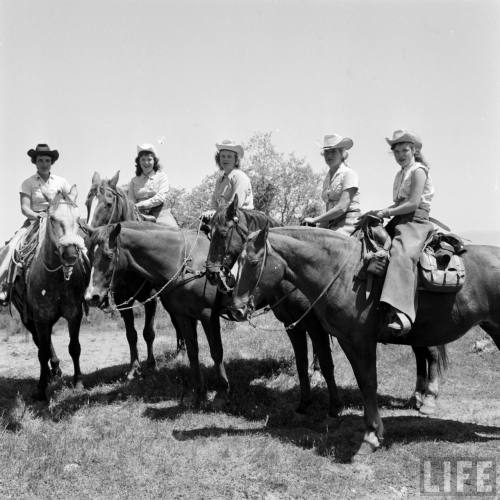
x=148 y=191
x=333 y=187
x=236 y=182
x=35 y=187
x=402 y=186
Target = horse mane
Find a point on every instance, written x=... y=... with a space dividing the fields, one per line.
x=315 y=235
x=254 y=218
x=60 y=196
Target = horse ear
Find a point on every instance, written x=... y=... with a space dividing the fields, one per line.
x=96 y=179
x=262 y=235
x=73 y=193
x=232 y=208
x=114 y=180
x=114 y=235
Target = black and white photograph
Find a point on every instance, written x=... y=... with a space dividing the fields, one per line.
x=250 y=249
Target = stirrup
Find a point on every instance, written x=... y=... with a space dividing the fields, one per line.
x=399 y=324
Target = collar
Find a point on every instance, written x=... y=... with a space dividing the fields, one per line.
x=404 y=169
x=38 y=177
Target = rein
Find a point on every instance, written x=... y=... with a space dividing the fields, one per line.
x=187 y=258
x=311 y=306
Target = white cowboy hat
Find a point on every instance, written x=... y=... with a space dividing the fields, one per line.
x=404 y=136
x=336 y=141
x=229 y=145
x=149 y=148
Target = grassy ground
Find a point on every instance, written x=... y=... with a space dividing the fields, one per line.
x=119 y=439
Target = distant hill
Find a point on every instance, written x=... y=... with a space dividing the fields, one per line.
x=479 y=237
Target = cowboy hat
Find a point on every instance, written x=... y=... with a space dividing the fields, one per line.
x=43 y=150
x=404 y=136
x=148 y=148
x=336 y=141
x=229 y=145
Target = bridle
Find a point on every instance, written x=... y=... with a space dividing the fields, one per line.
x=224 y=268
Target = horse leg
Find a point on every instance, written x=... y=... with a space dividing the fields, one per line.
x=43 y=334
x=188 y=326
x=75 y=349
x=428 y=406
x=54 y=360
x=181 y=343
x=128 y=319
x=211 y=325
x=298 y=339
x=149 y=332
x=421 y=384
x=493 y=332
x=363 y=358
x=321 y=345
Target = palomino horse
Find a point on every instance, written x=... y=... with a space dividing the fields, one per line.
x=230 y=228
x=106 y=204
x=325 y=266
x=53 y=286
x=173 y=261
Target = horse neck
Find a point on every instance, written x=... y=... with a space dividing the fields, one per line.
x=125 y=208
x=140 y=249
x=311 y=261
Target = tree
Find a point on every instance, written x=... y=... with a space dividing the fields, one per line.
x=283 y=185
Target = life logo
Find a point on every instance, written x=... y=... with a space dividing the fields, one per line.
x=458 y=476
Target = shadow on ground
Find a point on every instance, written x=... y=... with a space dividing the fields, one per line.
x=251 y=398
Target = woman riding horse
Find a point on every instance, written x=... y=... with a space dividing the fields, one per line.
x=233 y=182
x=35 y=193
x=410 y=228
x=340 y=188
x=149 y=188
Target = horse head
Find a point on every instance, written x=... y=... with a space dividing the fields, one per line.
x=63 y=229
x=251 y=280
x=104 y=254
x=229 y=232
x=106 y=203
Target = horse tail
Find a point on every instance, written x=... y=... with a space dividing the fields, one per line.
x=442 y=361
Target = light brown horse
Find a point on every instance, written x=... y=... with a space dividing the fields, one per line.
x=54 y=285
x=107 y=204
x=325 y=267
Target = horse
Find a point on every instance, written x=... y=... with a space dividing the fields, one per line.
x=106 y=204
x=173 y=261
x=325 y=266
x=230 y=227
x=53 y=287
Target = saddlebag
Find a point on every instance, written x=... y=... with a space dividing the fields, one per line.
x=443 y=275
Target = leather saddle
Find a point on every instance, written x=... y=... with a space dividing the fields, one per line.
x=441 y=269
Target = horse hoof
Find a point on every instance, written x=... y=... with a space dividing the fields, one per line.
x=417 y=400
x=369 y=445
x=428 y=406
x=40 y=395
x=219 y=403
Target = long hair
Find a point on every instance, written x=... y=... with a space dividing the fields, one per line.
x=417 y=154
x=138 y=169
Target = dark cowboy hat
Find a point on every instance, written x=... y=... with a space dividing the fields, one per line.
x=43 y=150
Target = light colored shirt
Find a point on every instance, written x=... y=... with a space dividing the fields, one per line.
x=333 y=187
x=402 y=186
x=148 y=191
x=226 y=186
x=40 y=191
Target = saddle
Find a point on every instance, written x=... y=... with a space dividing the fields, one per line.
x=441 y=269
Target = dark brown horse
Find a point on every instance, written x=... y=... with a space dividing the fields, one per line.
x=106 y=204
x=325 y=267
x=54 y=285
x=230 y=228
x=173 y=261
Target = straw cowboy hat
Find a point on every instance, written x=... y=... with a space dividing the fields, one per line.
x=336 y=141
x=229 y=145
x=404 y=136
x=148 y=148
x=43 y=150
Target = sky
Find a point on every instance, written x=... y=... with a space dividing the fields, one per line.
x=95 y=78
